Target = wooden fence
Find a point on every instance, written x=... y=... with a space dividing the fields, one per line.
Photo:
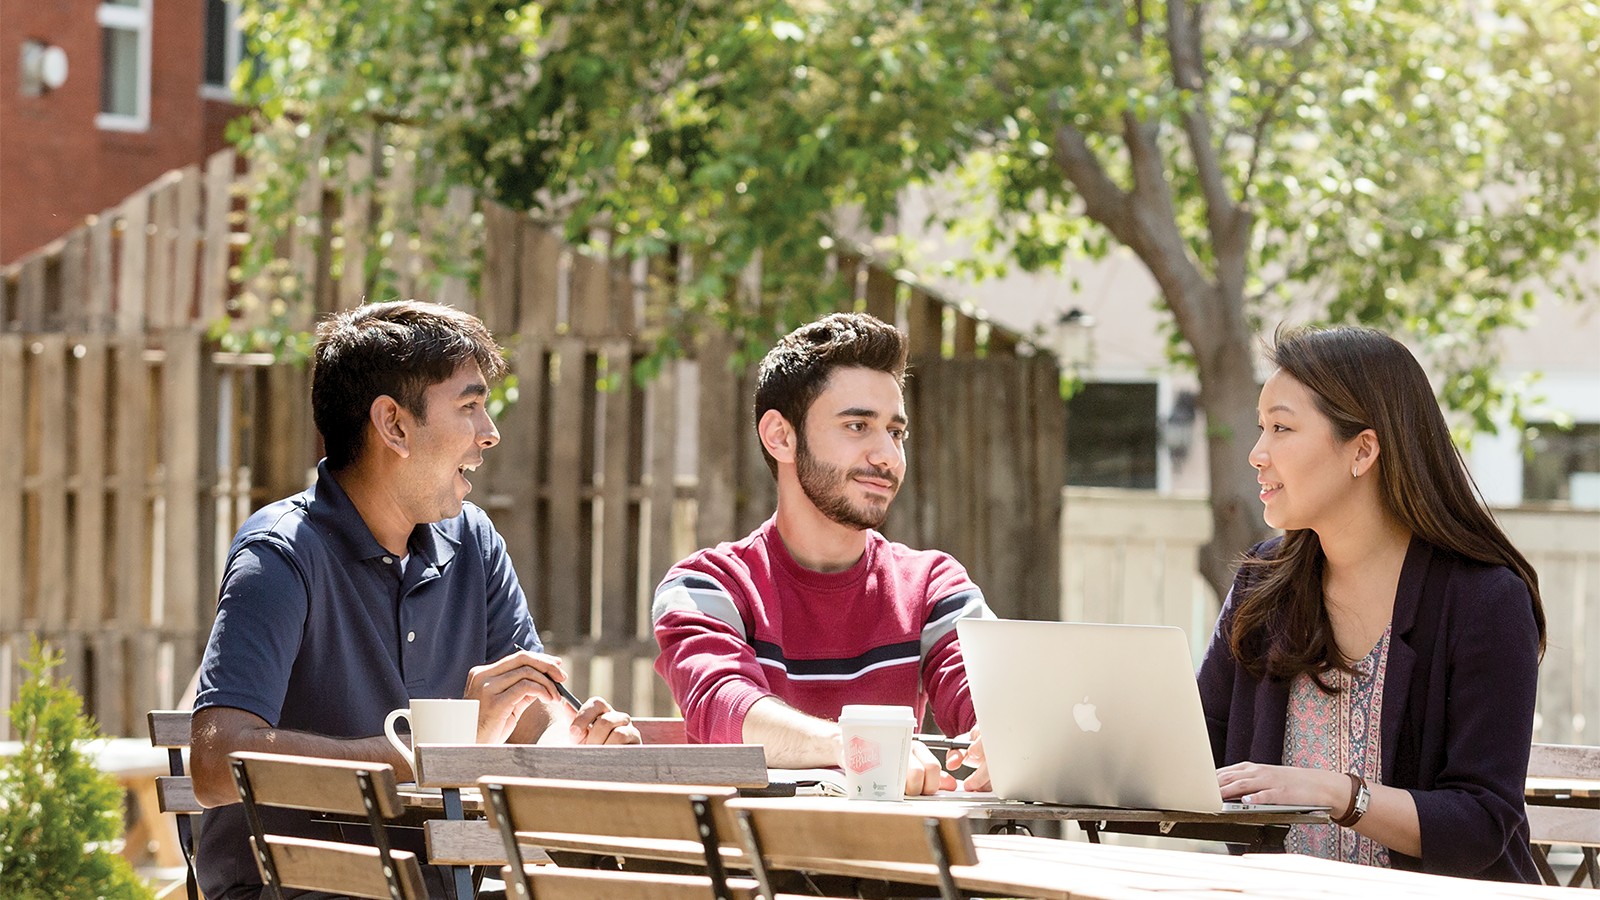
x=131 y=447
x=1131 y=556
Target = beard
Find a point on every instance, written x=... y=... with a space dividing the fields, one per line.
x=826 y=486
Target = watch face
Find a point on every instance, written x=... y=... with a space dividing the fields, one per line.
x=1363 y=797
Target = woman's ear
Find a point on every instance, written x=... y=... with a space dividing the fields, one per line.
x=777 y=435
x=388 y=419
x=1367 y=450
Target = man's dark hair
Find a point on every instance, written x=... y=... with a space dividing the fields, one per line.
x=796 y=371
x=400 y=349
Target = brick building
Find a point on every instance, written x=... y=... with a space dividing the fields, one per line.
x=145 y=91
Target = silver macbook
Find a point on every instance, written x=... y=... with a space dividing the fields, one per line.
x=1091 y=715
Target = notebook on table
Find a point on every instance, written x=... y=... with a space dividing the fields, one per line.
x=1093 y=715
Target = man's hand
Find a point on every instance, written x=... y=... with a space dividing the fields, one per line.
x=598 y=723
x=506 y=688
x=923 y=775
x=972 y=756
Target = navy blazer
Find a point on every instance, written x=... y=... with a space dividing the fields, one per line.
x=1457 y=720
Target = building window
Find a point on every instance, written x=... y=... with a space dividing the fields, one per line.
x=125 y=64
x=1562 y=466
x=1113 y=436
x=224 y=44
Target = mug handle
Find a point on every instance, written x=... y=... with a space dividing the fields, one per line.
x=388 y=731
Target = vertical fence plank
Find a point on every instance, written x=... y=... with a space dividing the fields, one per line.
x=49 y=391
x=518 y=464
x=13 y=451
x=497 y=307
x=163 y=242
x=567 y=425
x=187 y=249
x=715 y=488
x=355 y=223
x=214 y=259
x=457 y=224
x=403 y=216
x=757 y=492
x=132 y=273
x=182 y=422
x=89 y=409
x=131 y=547
x=616 y=575
x=539 y=277
x=661 y=469
x=30 y=295
x=881 y=288
x=591 y=296
x=925 y=324
x=72 y=304
x=97 y=312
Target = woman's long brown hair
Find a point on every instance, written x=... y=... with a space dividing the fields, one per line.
x=1363 y=379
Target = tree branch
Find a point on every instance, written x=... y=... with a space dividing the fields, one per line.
x=1188 y=69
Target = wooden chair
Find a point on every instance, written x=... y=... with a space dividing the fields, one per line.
x=460 y=843
x=677 y=823
x=169 y=729
x=331 y=786
x=795 y=835
x=1569 y=826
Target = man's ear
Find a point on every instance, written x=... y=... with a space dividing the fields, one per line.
x=392 y=425
x=778 y=436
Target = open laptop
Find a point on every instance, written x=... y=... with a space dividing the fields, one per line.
x=1092 y=715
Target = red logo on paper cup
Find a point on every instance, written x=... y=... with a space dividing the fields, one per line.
x=862 y=755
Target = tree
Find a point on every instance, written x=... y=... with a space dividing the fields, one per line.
x=59 y=814
x=1411 y=164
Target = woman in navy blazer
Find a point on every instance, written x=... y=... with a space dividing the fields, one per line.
x=1381 y=658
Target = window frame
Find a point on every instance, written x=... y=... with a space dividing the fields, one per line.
x=137 y=19
x=232 y=55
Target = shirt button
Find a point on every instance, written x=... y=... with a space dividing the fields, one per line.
x=388 y=560
x=411 y=636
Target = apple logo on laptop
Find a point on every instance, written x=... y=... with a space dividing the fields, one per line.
x=1084 y=714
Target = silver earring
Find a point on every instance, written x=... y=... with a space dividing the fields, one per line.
x=1355 y=473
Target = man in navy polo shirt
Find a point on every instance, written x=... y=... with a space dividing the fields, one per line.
x=377 y=585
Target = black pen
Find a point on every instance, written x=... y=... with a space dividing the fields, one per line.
x=570 y=697
x=940 y=742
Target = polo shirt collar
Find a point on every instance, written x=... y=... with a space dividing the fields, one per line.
x=333 y=511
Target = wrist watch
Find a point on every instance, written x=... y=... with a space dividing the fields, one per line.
x=1360 y=798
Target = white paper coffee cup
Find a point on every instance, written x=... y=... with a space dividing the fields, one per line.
x=877 y=747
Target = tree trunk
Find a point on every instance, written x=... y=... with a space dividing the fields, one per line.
x=1228 y=394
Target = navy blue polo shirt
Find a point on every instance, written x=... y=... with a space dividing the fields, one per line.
x=319 y=629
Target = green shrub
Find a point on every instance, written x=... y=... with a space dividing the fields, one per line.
x=60 y=816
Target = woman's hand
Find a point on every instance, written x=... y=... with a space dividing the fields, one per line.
x=1249 y=782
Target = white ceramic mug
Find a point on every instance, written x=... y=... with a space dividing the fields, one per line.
x=877 y=748
x=435 y=722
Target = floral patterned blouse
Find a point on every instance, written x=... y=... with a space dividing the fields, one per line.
x=1339 y=732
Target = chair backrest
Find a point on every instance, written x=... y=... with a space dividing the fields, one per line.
x=1567 y=825
x=795 y=834
x=551 y=883
x=169 y=729
x=461 y=765
x=681 y=823
x=1564 y=761
x=330 y=786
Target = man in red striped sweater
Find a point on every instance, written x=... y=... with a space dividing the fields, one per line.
x=765 y=640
